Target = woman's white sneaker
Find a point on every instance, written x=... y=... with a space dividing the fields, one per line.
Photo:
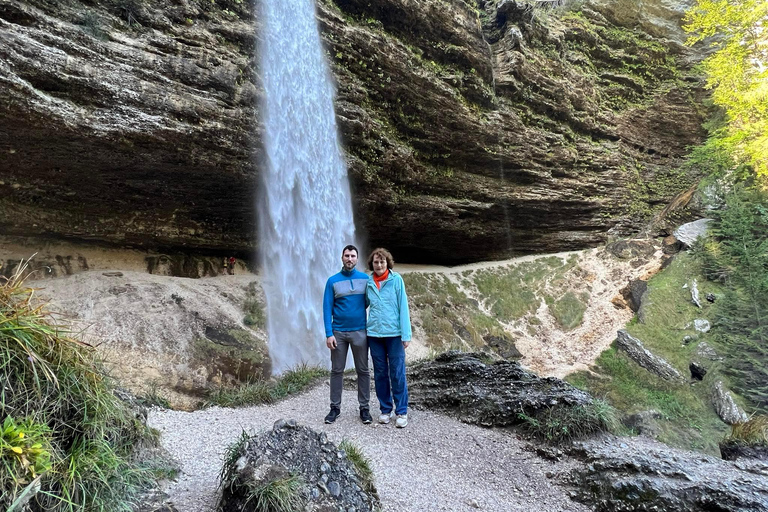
x=384 y=418
x=402 y=421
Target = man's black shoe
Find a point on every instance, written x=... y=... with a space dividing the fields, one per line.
x=335 y=411
x=365 y=416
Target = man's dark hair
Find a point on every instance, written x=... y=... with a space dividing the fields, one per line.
x=350 y=248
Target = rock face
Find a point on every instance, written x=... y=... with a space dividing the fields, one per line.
x=487 y=394
x=178 y=336
x=327 y=480
x=476 y=129
x=641 y=475
x=634 y=348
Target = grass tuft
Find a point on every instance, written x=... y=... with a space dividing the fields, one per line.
x=361 y=463
x=266 y=392
x=561 y=425
x=751 y=433
x=279 y=495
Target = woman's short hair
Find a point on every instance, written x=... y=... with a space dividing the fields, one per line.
x=384 y=254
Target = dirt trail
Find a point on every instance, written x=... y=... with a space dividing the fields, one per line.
x=435 y=464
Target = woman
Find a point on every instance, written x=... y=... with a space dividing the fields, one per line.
x=389 y=334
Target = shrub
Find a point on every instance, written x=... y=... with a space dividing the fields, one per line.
x=62 y=421
x=751 y=433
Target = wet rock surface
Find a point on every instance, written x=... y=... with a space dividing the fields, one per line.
x=486 y=393
x=328 y=480
x=135 y=123
x=637 y=474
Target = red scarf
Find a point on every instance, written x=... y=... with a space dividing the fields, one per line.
x=379 y=279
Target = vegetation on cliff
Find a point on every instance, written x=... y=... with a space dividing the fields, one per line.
x=67 y=441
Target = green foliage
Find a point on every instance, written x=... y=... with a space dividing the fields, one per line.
x=565 y=424
x=75 y=433
x=737 y=255
x=737 y=72
x=254 y=308
x=266 y=392
x=361 y=463
x=24 y=449
x=231 y=455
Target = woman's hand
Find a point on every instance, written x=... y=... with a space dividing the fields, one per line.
x=406 y=343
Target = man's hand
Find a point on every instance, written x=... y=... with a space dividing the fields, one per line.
x=330 y=342
x=406 y=343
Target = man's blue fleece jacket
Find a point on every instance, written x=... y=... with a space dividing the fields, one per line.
x=344 y=302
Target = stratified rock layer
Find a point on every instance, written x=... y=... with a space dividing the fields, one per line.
x=473 y=130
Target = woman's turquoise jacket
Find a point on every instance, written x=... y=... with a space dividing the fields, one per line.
x=388 y=313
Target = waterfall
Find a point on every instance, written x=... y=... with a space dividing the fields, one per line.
x=304 y=207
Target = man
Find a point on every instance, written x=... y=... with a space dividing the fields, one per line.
x=344 y=317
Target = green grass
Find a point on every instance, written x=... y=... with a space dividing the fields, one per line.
x=569 y=309
x=154 y=396
x=688 y=420
x=450 y=319
x=515 y=291
x=565 y=424
x=78 y=436
x=279 y=495
x=266 y=392
x=361 y=463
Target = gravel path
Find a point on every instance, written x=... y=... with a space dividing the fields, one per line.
x=435 y=464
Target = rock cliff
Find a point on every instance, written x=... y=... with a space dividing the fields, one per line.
x=473 y=129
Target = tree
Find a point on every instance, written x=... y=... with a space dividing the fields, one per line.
x=737 y=73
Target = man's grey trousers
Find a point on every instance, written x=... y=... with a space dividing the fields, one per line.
x=358 y=342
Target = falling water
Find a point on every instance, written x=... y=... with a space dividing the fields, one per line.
x=305 y=210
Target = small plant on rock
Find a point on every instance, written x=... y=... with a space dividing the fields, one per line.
x=563 y=424
x=361 y=463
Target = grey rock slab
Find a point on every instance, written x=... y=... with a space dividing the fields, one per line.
x=690 y=232
x=634 y=348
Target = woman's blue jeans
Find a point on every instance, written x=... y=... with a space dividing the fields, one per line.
x=388 y=356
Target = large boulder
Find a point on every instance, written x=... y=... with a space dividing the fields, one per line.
x=491 y=394
x=638 y=474
x=321 y=476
